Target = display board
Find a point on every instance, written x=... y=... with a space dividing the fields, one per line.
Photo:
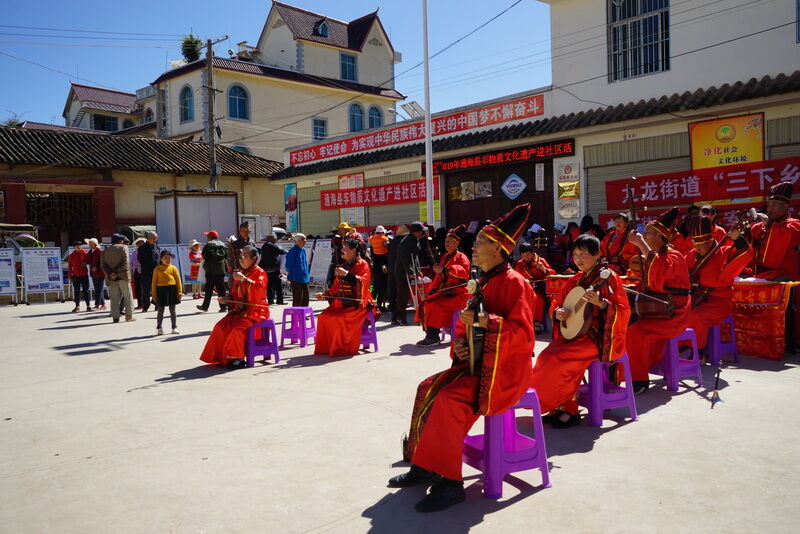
x=322 y=258
x=175 y=259
x=41 y=270
x=186 y=267
x=8 y=274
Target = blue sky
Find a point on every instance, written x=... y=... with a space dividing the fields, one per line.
x=509 y=55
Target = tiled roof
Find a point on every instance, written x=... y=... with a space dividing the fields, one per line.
x=283 y=74
x=104 y=99
x=304 y=25
x=44 y=126
x=701 y=98
x=22 y=146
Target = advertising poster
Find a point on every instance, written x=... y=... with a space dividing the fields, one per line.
x=467 y=190
x=357 y=216
x=8 y=274
x=185 y=268
x=728 y=141
x=41 y=270
x=290 y=208
x=423 y=211
x=483 y=189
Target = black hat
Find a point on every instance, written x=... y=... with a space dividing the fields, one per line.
x=507 y=229
x=781 y=192
x=665 y=223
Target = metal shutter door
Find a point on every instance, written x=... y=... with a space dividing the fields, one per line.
x=392 y=214
x=314 y=220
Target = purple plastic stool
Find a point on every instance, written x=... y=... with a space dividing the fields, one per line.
x=672 y=367
x=449 y=331
x=369 y=334
x=716 y=348
x=298 y=329
x=267 y=346
x=502 y=450
x=600 y=394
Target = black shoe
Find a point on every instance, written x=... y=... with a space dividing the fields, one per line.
x=565 y=420
x=237 y=364
x=202 y=309
x=402 y=322
x=442 y=495
x=640 y=387
x=427 y=341
x=415 y=475
x=116 y=320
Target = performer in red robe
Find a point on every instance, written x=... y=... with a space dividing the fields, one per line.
x=535 y=269
x=560 y=367
x=665 y=276
x=615 y=248
x=436 y=311
x=777 y=239
x=449 y=402
x=339 y=325
x=710 y=212
x=247 y=305
x=712 y=274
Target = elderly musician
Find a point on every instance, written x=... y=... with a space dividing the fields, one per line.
x=664 y=305
x=448 y=291
x=560 y=367
x=615 y=247
x=499 y=323
x=776 y=239
x=535 y=269
x=339 y=325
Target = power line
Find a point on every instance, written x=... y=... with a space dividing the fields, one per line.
x=89 y=31
x=50 y=36
x=82 y=45
x=25 y=60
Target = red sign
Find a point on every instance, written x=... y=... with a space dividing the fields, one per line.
x=376 y=195
x=512 y=110
x=713 y=183
x=543 y=150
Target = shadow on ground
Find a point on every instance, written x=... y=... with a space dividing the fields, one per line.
x=195 y=373
x=99 y=346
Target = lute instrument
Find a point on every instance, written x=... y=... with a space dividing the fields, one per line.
x=581 y=311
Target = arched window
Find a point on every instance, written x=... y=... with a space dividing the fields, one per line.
x=127 y=123
x=186 y=99
x=375 y=117
x=242 y=148
x=238 y=107
x=322 y=29
x=148 y=115
x=356 y=118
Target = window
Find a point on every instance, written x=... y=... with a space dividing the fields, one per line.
x=238 y=103
x=319 y=129
x=348 y=63
x=105 y=123
x=322 y=29
x=638 y=38
x=375 y=117
x=186 y=100
x=148 y=115
x=356 y=118
x=127 y=123
x=242 y=148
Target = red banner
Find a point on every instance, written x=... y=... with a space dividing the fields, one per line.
x=512 y=110
x=704 y=185
x=376 y=195
x=549 y=149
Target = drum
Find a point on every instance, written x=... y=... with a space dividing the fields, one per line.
x=760 y=317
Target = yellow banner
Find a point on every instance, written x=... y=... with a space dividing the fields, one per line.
x=569 y=190
x=727 y=141
x=423 y=211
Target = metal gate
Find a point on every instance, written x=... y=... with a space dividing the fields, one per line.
x=62 y=217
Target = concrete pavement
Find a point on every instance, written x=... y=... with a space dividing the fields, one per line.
x=106 y=428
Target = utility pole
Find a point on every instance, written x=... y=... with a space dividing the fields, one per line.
x=212 y=92
x=428 y=129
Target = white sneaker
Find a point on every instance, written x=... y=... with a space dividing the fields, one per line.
x=159 y=332
x=175 y=331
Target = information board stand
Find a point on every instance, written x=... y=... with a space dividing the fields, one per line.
x=41 y=272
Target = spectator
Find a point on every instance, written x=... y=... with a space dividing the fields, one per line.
x=380 y=269
x=241 y=241
x=148 y=253
x=195 y=260
x=78 y=275
x=93 y=258
x=297 y=271
x=167 y=291
x=391 y=259
x=271 y=263
x=407 y=251
x=115 y=266
x=136 y=272
x=214 y=255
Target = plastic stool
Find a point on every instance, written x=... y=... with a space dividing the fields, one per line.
x=369 y=334
x=716 y=348
x=267 y=346
x=297 y=328
x=673 y=367
x=600 y=394
x=502 y=450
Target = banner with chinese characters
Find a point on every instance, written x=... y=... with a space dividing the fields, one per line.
x=743 y=181
x=727 y=141
x=550 y=149
x=498 y=113
x=376 y=195
x=357 y=216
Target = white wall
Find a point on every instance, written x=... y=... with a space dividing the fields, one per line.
x=277 y=45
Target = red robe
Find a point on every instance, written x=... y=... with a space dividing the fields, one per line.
x=438 y=308
x=532 y=273
x=339 y=325
x=227 y=339
x=682 y=244
x=617 y=252
x=775 y=244
x=716 y=275
x=448 y=403
x=560 y=367
x=648 y=337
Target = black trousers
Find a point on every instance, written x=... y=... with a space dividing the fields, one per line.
x=214 y=281
x=299 y=294
x=274 y=288
x=401 y=302
x=147 y=282
x=379 y=279
x=80 y=283
x=98 y=291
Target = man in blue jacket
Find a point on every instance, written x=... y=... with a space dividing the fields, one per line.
x=297 y=271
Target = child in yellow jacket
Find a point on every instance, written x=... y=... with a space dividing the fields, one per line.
x=167 y=291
